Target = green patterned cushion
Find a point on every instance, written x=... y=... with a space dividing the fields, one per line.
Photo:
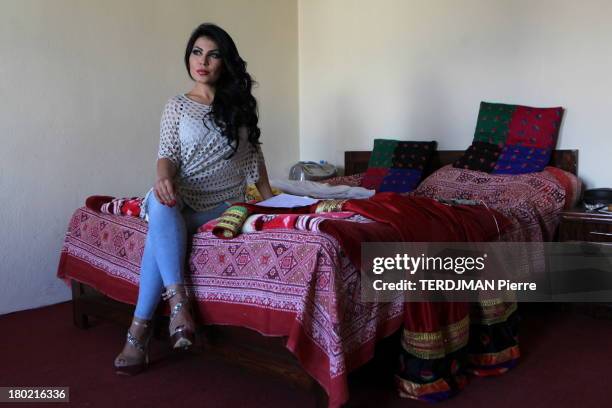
x=493 y=123
x=382 y=154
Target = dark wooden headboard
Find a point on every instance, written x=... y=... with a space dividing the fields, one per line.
x=357 y=161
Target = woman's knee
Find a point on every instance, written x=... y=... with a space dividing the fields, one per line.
x=156 y=209
x=160 y=214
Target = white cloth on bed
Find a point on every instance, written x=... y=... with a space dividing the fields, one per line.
x=320 y=190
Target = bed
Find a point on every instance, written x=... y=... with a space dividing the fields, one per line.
x=279 y=301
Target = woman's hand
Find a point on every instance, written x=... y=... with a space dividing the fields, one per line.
x=164 y=185
x=164 y=191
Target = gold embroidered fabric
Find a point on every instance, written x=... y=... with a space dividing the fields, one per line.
x=329 y=206
x=432 y=345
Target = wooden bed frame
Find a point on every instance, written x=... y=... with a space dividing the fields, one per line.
x=248 y=348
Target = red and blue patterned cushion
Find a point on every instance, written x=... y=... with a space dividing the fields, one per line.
x=525 y=136
x=397 y=165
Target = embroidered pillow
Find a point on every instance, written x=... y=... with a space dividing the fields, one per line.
x=524 y=138
x=397 y=165
x=479 y=156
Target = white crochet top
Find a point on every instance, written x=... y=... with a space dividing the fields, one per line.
x=191 y=140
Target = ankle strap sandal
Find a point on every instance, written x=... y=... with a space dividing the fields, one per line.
x=132 y=366
x=134 y=342
x=182 y=336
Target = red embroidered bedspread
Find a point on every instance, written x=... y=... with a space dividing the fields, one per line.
x=287 y=283
x=533 y=201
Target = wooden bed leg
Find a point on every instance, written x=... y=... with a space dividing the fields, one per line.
x=78 y=317
x=321 y=399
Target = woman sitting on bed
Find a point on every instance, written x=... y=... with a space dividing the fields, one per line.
x=208 y=153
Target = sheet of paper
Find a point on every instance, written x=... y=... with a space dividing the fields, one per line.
x=287 y=201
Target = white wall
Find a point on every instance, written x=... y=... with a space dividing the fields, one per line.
x=418 y=69
x=82 y=85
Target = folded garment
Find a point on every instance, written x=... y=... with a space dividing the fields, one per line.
x=321 y=190
x=116 y=206
x=230 y=222
x=303 y=222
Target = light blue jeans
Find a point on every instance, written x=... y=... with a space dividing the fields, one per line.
x=165 y=246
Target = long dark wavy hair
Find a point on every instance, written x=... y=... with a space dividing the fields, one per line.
x=234 y=105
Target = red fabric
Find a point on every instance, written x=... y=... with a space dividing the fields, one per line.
x=95 y=202
x=417 y=219
x=534 y=127
x=276 y=221
x=424 y=219
x=305 y=222
x=570 y=183
x=432 y=317
x=116 y=206
x=71 y=267
x=413 y=219
x=132 y=207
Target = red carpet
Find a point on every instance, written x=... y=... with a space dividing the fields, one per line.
x=567 y=362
